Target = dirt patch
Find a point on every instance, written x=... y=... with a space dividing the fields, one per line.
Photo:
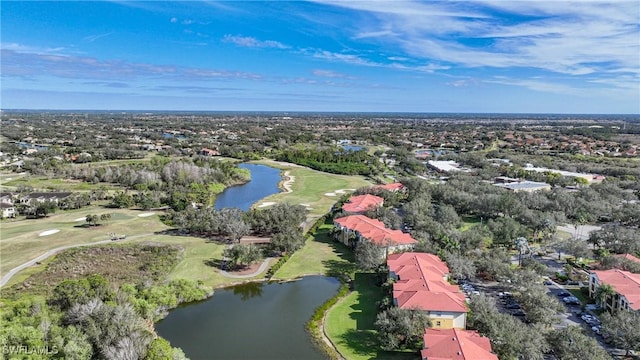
x=249 y=269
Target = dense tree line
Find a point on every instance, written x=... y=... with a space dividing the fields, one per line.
x=88 y=318
x=332 y=160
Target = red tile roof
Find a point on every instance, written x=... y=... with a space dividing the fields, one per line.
x=391 y=187
x=413 y=265
x=375 y=231
x=422 y=283
x=624 y=283
x=456 y=344
x=362 y=203
x=628 y=257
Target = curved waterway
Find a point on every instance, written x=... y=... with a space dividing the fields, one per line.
x=250 y=321
x=255 y=320
x=264 y=182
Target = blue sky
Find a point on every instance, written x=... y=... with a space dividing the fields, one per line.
x=326 y=55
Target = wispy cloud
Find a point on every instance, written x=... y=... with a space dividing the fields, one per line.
x=331 y=74
x=251 y=42
x=574 y=38
x=30 y=64
x=92 y=38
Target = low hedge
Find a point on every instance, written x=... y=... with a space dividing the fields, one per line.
x=313 y=326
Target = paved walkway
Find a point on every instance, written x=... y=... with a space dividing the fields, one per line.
x=262 y=268
x=52 y=252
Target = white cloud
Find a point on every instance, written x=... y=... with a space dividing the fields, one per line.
x=247 y=41
x=580 y=38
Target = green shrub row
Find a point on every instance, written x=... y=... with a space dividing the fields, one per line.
x=277 y=266
x=313 y=325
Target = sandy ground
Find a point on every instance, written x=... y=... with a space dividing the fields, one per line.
x=290 y=179
x=48 y=232
x=147 y=214
x=266 y=203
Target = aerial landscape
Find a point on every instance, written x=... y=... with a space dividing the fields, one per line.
x=320 y=180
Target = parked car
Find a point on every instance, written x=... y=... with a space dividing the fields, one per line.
x=571 y=300
x=564 y=294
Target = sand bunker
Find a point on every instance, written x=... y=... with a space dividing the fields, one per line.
x=290 y=179
x=305 y=205
x=48 y=232
x=330 y=194
x=266 y=203
x=147 y=214
x=81 y=219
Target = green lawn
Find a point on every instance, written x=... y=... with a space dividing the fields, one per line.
x=44 y=183
x=20 y=239
x=350 y=323
x=319 y=256
x=584 y=299
x=314 y=188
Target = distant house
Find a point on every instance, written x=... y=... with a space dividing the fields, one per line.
x=517 y=185
x=373 y=230
x=625 y=284
x=7 y=198
x=209 y=152
x=40 y=197
x=391 y=187
x=8 y=210
x=362 y=203
x=445 y=166
x=421 y=284
x=454 y=344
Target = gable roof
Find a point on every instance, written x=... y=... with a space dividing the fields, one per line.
x=375 y=231
x=415 y=265
x=362 y=203
x=422 y=283
x=456 y=344
x=431 y=300
x=624 y=283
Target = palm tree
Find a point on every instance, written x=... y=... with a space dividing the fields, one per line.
x=603 y=293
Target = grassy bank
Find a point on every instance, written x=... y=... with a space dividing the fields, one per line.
x=319 y=256
x=314 y=188
x=350 y=323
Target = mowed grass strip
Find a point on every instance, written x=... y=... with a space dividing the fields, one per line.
x=20 y=240
x=311 y=186
x=350 y=323
x=320 y=255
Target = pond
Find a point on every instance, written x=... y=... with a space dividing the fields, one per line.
x=264 y=182
x=250 y=321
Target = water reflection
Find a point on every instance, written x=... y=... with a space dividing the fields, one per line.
x=248 y=290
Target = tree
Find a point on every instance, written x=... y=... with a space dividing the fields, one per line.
x=105 y=217
x=122 y=200
x=603 y=293
x=288 y=241
x=459 y=266
x=92 y=219
x=368 y=255
x=243 y=254
x=400 y=329
x=571 y=343
x=623 y=329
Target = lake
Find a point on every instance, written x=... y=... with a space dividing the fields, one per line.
x=250 y=321
x=264 y=182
